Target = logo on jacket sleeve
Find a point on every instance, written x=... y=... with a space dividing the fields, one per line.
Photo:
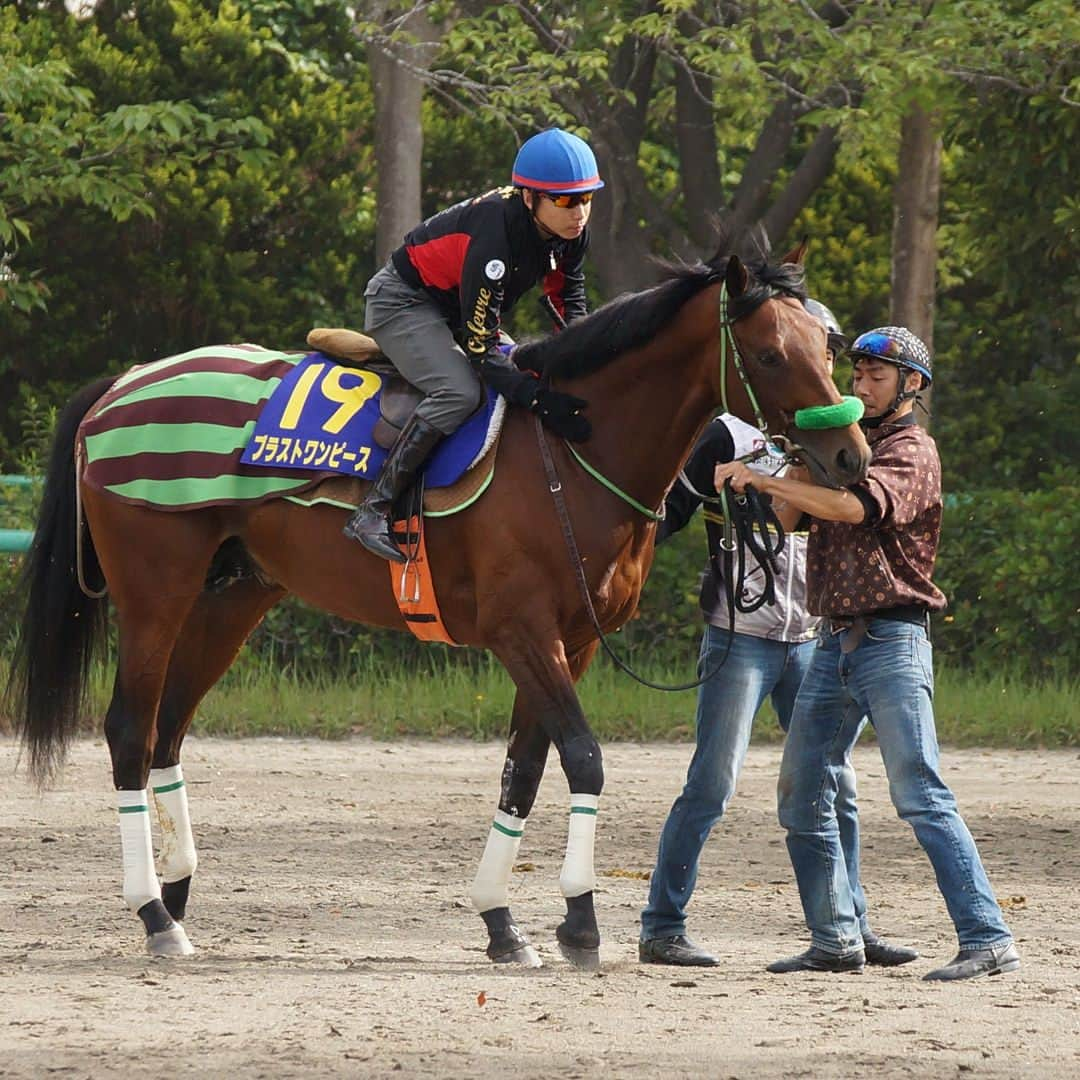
x=495 y=270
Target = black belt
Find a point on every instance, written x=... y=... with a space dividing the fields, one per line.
x=915 y=614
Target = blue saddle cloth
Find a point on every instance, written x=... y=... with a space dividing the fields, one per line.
x=321 y=417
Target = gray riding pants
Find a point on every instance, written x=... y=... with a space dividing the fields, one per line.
x=415 y=336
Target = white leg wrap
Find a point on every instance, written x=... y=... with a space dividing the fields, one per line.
x=140 y=881
x=489 y=888
x=177 y=859
x=578 y=875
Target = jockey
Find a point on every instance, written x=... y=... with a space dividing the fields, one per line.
x=434 y=309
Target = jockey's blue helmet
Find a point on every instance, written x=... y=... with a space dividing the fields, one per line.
x=556 y=161
x=894 y=345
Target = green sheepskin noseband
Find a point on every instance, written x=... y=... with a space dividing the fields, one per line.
x=820 y=417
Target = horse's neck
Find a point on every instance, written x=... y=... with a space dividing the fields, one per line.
x=647 y=407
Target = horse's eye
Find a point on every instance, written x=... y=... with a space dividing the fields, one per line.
x=770 y=359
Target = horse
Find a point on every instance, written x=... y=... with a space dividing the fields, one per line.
x=653 y=366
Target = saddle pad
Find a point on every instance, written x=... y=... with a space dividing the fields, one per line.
x=322 y=415
x=170 y=434
x=346 y=492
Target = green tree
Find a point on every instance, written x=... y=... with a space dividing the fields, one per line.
x=58 y=149
x=231 y=241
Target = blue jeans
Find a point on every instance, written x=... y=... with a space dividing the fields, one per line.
x=727 y=704
x=888 y=678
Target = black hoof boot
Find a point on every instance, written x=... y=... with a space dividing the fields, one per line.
x=372 y=529
x=163 y=936
x=174 y=895
x=578 y=935
x=506 y=943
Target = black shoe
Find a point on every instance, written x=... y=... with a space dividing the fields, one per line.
x=371 y=527
x=371 y=522
x=882 y=954
x=815 y=959
x=678 y=950
x=973 y=963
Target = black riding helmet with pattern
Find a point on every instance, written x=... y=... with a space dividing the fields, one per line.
x=895 y=345
x=898 y=346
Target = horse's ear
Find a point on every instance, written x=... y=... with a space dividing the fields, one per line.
x=736 y=276
x=796 y=254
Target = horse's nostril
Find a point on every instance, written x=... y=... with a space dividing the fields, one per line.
x=847 y=463
x=850 y=464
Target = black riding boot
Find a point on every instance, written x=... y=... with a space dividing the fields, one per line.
x=371 y=522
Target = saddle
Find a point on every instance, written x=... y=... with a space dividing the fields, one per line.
x=398 y=399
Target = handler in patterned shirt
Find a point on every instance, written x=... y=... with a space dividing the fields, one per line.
x=871 y=554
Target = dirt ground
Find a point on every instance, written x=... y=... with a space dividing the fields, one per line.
x=334 y=935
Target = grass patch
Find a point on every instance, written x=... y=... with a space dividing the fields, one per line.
x=998 y=709
x=972 y=709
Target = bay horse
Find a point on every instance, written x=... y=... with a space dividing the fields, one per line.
x=650 y=366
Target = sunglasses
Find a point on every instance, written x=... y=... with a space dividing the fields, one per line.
x=566 y=202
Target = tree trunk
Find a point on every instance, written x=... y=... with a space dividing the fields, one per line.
x=399 y=138
x=699 y=168
x=915 y=220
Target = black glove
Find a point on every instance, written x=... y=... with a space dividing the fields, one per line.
x=561 y=413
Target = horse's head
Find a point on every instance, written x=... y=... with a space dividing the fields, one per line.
x=782 y=368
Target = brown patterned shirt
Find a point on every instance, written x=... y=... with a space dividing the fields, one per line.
x=886 y=561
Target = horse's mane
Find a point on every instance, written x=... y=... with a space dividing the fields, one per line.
x=633 y=319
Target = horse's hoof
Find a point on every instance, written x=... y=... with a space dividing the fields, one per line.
x=506 y=943
x=172 y=942
x=524 y=956
x=582 y=959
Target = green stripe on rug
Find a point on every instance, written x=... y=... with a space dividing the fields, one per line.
x=168 y=439
x=231 y=352
x=216 y=384
x=194 y=490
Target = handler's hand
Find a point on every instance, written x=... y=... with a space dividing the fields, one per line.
x=739 y=475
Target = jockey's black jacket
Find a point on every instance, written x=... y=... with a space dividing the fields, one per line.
x=476 y=259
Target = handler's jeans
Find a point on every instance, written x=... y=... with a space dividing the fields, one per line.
x=727 y=704
x=888 y=678
x=416 y=337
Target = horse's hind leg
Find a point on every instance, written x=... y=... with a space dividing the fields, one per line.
x=154 y=584
x=209 y=640
x=145 y=646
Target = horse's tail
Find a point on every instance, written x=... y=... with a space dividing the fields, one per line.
x=61 y=627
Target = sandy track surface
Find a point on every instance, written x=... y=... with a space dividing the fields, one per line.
x=330 y=914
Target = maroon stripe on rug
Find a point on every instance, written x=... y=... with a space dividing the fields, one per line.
x=175 y=410
x=195 y=464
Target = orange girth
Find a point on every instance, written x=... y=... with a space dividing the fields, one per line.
x=413 y=587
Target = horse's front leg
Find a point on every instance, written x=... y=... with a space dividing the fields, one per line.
x=547 y=710
x=526 y=756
